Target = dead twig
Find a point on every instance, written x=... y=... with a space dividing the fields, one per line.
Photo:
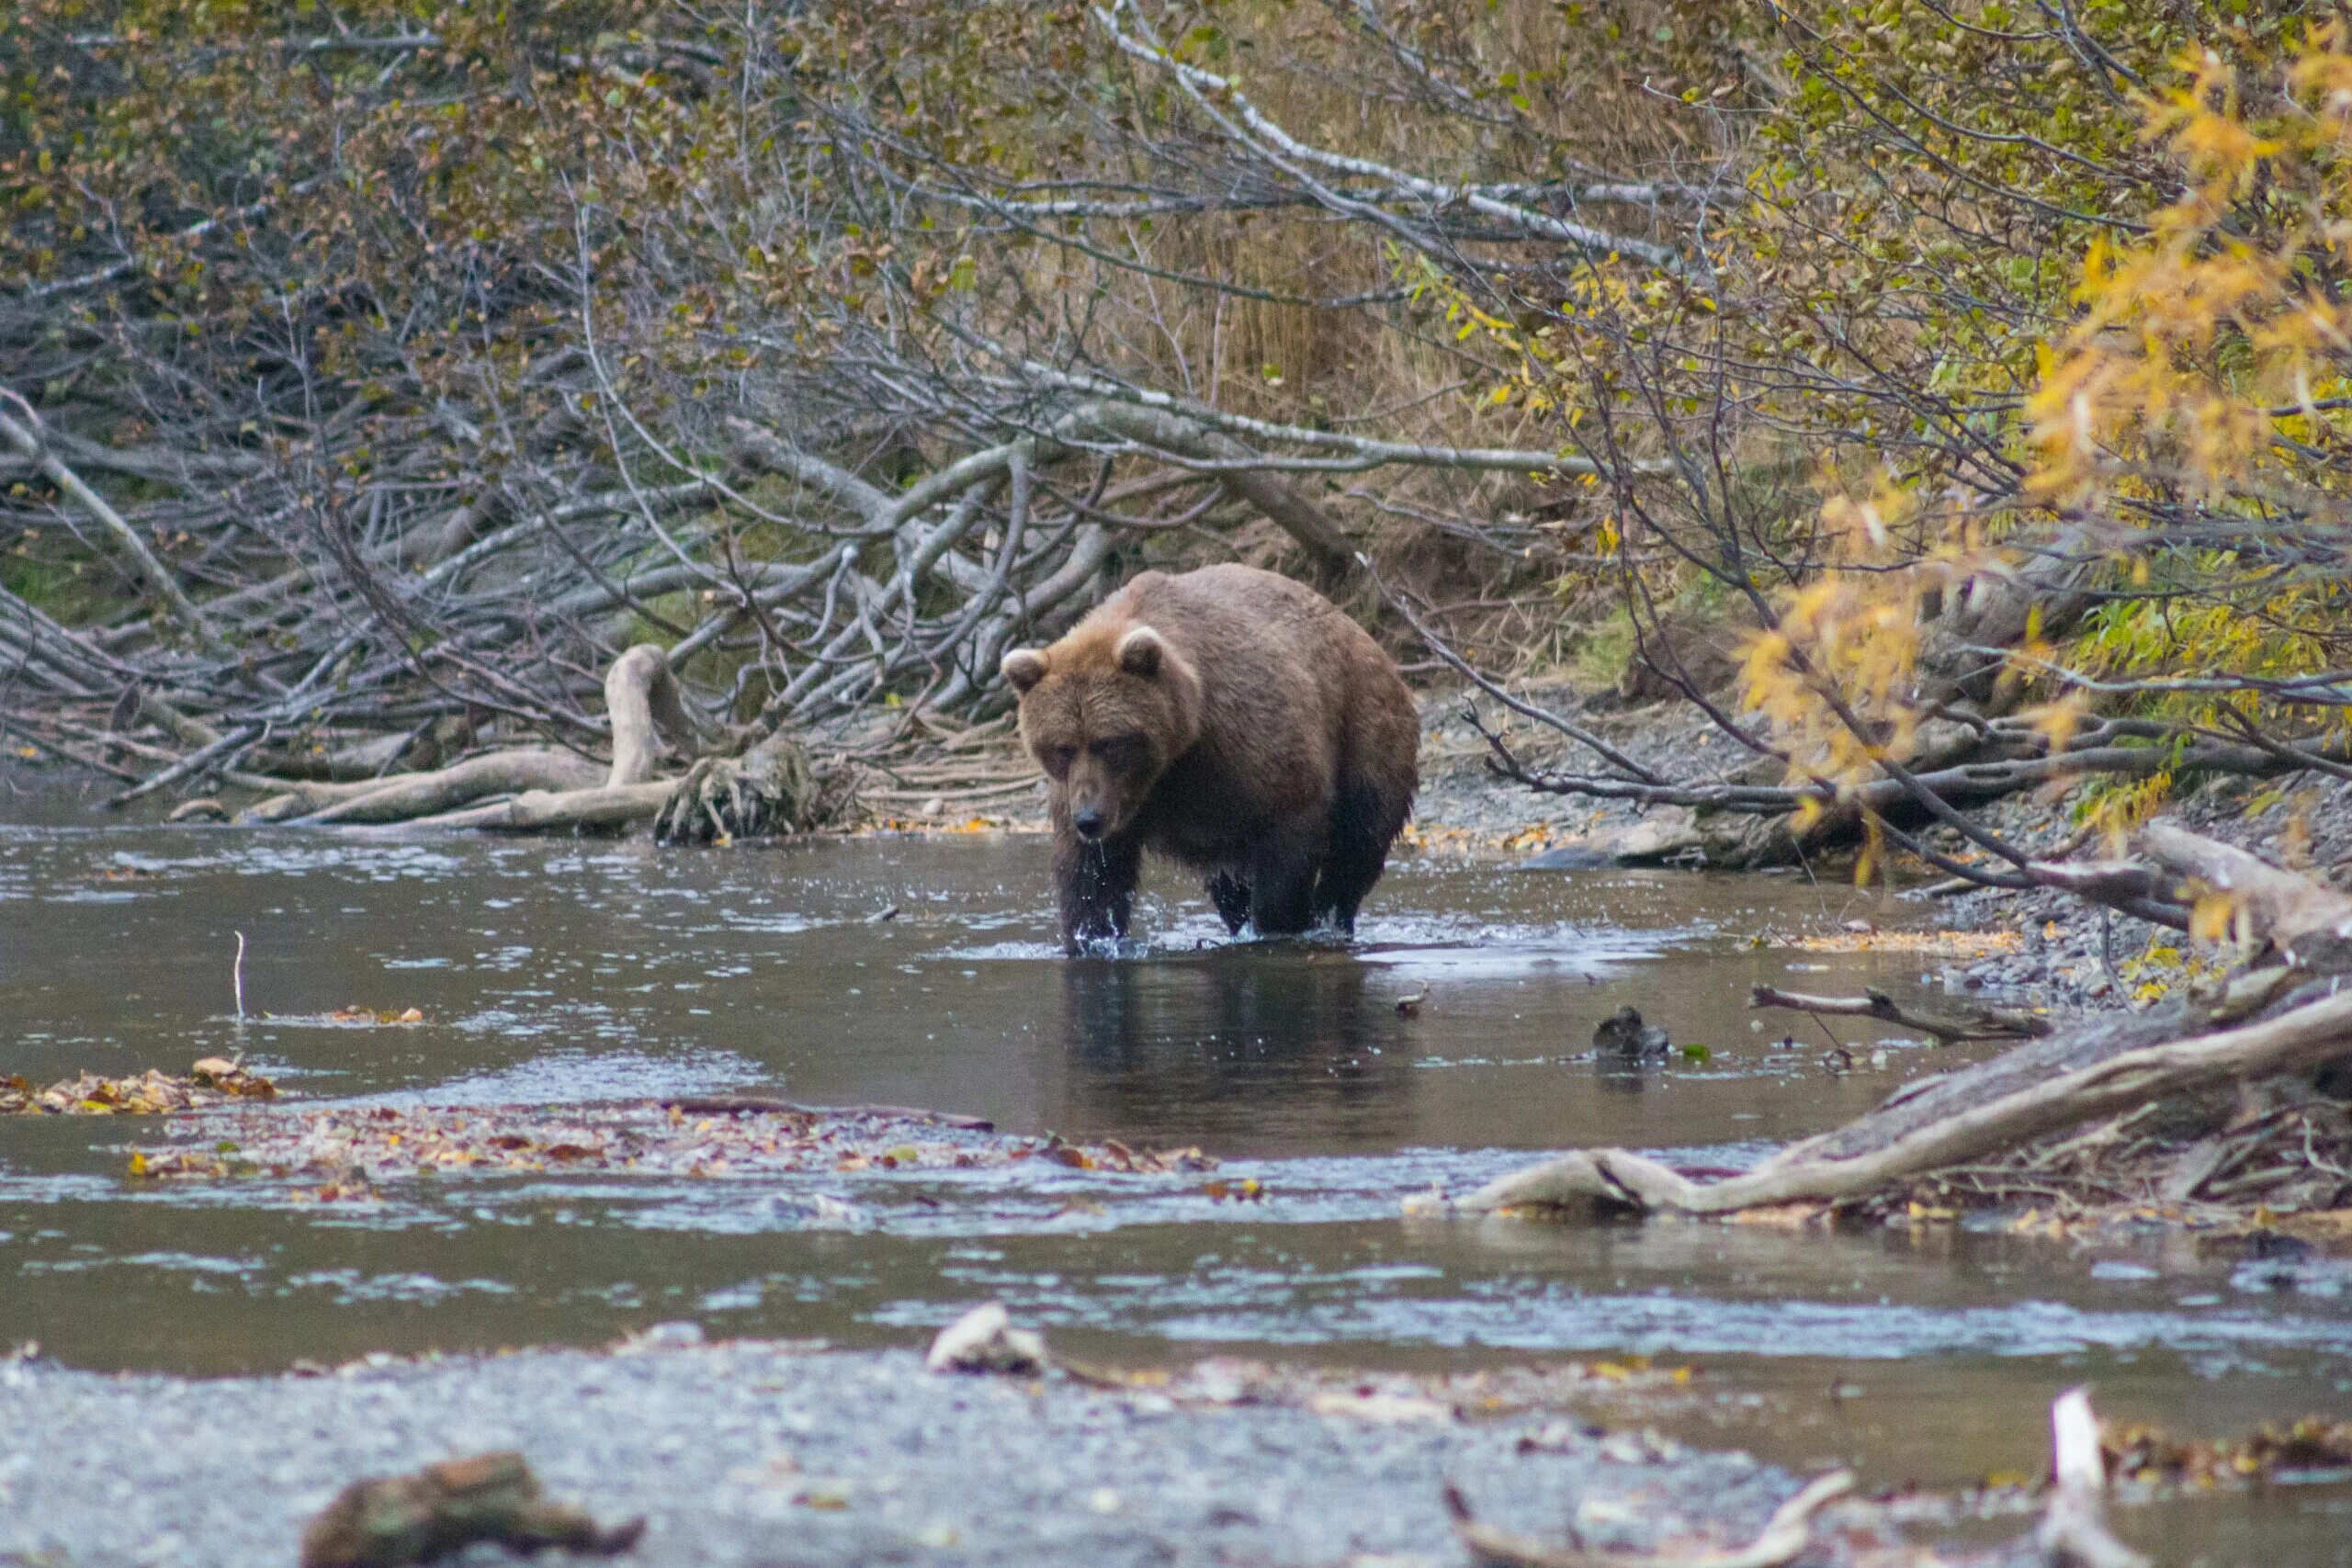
x=1978 y=1024
x=25 y=436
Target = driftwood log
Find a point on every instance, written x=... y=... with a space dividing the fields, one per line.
x=527 y=789
x=1783 y=1540
x=2288 y=1012
x=2073 y=1531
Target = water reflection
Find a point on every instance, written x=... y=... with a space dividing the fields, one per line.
x=1620 y=1075
x=1238 y=1043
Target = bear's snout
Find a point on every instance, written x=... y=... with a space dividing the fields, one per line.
x=1088 y=820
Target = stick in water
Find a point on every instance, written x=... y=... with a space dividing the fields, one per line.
x=237 y=976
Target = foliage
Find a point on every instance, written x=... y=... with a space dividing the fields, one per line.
x=2159 y=427
x=441 y=349
x=1991 y=369
x=2198 y=398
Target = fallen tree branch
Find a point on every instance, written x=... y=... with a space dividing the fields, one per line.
x=408 y=796
x=2288 y=1017
x=1978 y=1024
x=1784 y=1535
x=191 y=766
x=1971 y=782
x=1238 y=473
x=538 y=789
x=26 y=437
x=641 y=700
x=2307 y=1036
x=1223 y=100
x=2309 y=922
x=604 y=807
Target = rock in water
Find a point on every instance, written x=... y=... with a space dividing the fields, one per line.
x=1569 y=857
x=1624 y=1034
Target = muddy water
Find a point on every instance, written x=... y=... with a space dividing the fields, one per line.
x=552 y=972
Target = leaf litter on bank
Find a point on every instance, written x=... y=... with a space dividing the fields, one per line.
x=2152 y=1456
x=2143 y=1464
x=211 y=1082
x=354 y=1144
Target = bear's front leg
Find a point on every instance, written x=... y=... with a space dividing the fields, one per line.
x=1282 y=882
x=1231 y=896
x=1094 y=881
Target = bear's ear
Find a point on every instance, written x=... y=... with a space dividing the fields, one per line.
x=1024 y=667
x=1141 y=652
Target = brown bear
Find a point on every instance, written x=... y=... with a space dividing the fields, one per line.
x=1235 y=722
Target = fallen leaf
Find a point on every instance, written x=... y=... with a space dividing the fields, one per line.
x=149 y=1093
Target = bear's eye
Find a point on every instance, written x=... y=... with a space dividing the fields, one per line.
x=1060 y=758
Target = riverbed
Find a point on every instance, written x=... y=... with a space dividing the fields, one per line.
x=922 y=972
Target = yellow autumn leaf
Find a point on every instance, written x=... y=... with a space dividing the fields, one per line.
x=2209 y=917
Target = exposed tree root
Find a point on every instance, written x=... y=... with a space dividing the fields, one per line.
x=2292 y=1014
x=771 y=788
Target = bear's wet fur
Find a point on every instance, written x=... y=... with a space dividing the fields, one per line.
x=1236 y=723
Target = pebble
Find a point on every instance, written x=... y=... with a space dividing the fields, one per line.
x=224 y=1472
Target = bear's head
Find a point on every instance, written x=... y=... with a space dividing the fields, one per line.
x=1104 y=711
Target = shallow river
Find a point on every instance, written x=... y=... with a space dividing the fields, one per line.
x=573 y=971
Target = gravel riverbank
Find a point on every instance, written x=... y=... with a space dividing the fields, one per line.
x=2080 y=955
x=759 y=1454
x=2071 y=955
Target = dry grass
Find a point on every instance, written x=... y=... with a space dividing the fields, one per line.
x=1394 y=365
